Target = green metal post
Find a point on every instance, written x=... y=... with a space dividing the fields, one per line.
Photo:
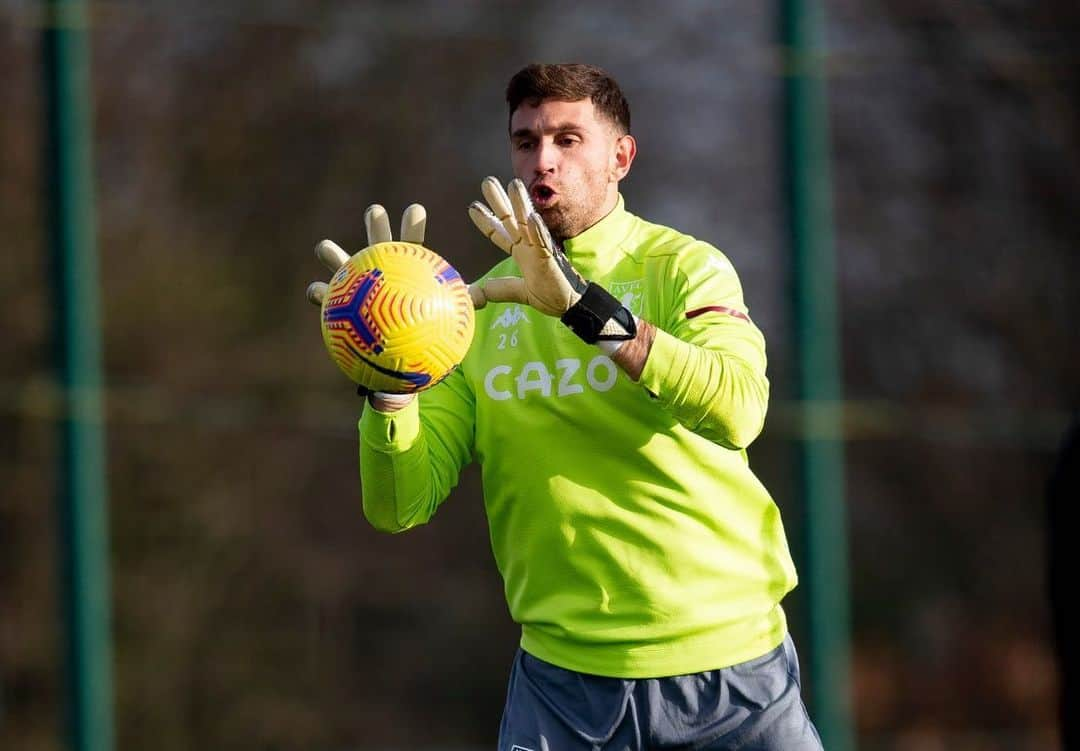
x=818 y=378
x=82 y=491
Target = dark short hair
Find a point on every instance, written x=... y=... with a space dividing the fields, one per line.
x=570 y=82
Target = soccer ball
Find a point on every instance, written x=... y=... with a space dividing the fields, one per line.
x=397 y=318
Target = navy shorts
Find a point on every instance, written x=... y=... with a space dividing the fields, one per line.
x=753 y=706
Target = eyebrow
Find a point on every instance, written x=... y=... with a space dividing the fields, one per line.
x=559 y=128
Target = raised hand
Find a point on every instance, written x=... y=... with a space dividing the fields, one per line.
x=377 y=223
x=548 y=281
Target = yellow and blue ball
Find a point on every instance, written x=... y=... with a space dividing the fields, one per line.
x=397 y=318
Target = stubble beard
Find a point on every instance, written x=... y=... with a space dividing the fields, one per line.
x=560 y=224
x=573 y=215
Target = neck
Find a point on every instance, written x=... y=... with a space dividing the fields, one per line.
x=610 y=201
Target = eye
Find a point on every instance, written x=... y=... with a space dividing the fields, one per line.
x=566 y=141
x=524 y=146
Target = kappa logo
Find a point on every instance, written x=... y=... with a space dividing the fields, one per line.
x=510 y=317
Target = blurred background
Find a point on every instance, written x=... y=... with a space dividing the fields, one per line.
x=253 y=607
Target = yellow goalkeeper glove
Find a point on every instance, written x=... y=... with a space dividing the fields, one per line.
x=377 y=224
x=548 y=281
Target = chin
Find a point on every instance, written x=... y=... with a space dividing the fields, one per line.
x=556 y=223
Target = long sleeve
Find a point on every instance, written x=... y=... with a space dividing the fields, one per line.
x=410 y=460
x=707 y=363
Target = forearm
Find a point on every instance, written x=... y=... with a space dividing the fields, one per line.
x=714 y=392
x=395 y=486
x=633 y=353
x=404 y=473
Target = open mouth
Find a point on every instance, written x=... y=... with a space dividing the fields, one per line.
x=542 y=196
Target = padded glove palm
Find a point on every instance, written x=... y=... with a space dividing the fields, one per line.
x=548 y=281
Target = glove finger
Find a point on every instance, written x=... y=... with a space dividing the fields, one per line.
x=413 y=224
x=476 y=293
x=316 y=291
x=377 y=223
x=490 y=225
x=331 y=255
x=505 y=289
x=500 y=205
x=519 y=198
x=540 y=236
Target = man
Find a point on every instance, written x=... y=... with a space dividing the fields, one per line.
x=613 y=384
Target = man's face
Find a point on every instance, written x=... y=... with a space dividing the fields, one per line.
x=571 y=160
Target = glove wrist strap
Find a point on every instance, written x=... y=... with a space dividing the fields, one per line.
x=599 y=316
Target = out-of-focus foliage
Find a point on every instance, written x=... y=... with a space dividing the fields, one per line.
x=253 y=606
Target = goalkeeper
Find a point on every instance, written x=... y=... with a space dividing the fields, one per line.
x=612 y=387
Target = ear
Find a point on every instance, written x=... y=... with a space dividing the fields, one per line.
x=625 y=151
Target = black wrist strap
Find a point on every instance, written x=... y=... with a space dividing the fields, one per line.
x=599 y=316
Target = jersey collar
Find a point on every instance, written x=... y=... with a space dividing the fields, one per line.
x=597 y=248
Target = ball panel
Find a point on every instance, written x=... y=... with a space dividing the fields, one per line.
x=397 y=317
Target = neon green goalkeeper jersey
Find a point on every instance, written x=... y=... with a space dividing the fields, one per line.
x=632 y=537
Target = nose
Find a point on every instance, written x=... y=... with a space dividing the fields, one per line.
x=547 y=158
